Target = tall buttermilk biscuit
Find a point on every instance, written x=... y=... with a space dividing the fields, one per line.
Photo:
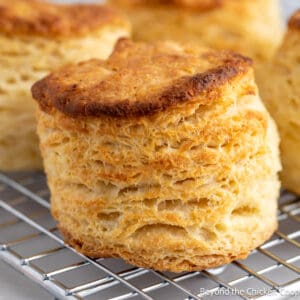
x=163 y=155
x=281 y=93
x=35 y=38
x=250 y=27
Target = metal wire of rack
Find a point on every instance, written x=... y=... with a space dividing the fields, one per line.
x=31 y=243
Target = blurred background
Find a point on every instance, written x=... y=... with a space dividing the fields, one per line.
x=288 y=5
x=13 y=285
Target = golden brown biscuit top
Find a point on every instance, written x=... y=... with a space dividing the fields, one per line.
x=42 y=18
x=294 y=21
x=139 y=79
x=192 y=4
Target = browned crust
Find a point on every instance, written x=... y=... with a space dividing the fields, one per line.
x=71 y=100
x=202 y=5
x=294 y=21
x=36 y=17
x=199 y=263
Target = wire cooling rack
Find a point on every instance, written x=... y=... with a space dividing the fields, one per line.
x=31 y=243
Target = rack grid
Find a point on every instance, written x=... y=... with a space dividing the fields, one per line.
x=31 y=243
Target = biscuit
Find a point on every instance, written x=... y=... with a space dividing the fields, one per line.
x=279 y=83
x=37 y=37
x=250 y=27
x=163 y=155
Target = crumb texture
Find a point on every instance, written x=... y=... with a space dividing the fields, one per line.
x=189 y=187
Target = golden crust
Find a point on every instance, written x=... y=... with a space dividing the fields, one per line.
x=189 y=4
x=294 y=21
x=34 y=17
x=117 y=87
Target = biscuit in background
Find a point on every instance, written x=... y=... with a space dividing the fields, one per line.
x=35 y=38
x=163 y=155
x=250 y=27
x=279 y=83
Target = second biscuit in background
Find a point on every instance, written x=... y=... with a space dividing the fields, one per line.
x=35 y=38
x=279 y=83
x=250 y=27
